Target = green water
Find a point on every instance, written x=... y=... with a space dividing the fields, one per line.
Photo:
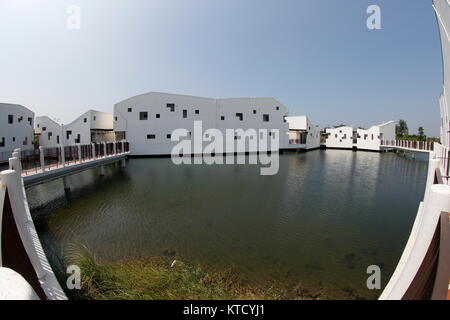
x=321 y=221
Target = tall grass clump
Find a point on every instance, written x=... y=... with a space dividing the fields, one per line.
x=155 y=279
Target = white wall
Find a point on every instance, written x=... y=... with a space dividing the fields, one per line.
x=340 y=137
x=49 y=131
x=19 y=133
x=370 y=139
x=442 y=8
x=89 y=121
x=299 y=124
x=210 y=112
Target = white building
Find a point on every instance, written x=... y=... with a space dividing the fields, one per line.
x=341 y=138
x=302 y=131
x=148 y=120
x=48 y=131
x=92 y=126
x=371 y=138
x=442 y=9
x=16 y=129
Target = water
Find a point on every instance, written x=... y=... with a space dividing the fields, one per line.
x=321 y=221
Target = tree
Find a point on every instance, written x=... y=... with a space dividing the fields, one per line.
x=401 y=128
x=421 y=136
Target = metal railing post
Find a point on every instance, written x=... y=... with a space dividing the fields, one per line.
x=41 y=158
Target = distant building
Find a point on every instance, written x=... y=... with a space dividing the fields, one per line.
x=341 y=137
x=16 y=129
x=92 y=126
x=48 y=131
x=371 y=139
x=361 y=139
x=303 y=132
x=148 y=120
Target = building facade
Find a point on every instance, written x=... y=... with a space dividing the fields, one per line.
x=91 y=126
x=16 y=129
x=48 y=131
x=371 y=138
x=339 y=138
x=148 y=121
x=442 y=10
x=302 y=131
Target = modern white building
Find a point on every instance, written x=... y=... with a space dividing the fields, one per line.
x=371 y=138
x=148 y=120
x=442 y=10
x=16 y=129
x=48 y=131
x=302 y=131
x=339 y=138
x=91 y=126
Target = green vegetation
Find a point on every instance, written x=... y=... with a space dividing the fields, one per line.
x=154 y=278
x=401 y=130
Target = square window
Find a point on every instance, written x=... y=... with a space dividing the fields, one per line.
x=20 y=119
x=197 y=111
x=222 y=118
x=265 y=117
x=85 y=120
x=44 y=128
x=169 y=136
x=240 y=116
x=158 y=116
x=171 y=106
x=30 y=120
x=143 y=115
x=278 y=108
x=151 y=136
x=115 y=118
x=130 y=109
x=254 y=111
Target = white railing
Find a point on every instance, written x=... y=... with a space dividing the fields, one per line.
x=45 y=159
x=442 y=154
x=407 y=144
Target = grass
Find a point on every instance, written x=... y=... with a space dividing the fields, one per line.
x=155 y=279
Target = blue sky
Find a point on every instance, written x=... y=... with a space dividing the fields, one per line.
x=315 y=56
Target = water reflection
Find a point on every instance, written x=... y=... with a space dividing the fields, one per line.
x=319 y=221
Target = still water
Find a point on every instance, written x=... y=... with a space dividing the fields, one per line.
x=320 y=222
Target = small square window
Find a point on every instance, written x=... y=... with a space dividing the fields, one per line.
x=44 y=128
x=171 y=106
x=278 y=108
x=254 y=111
x=151 y=136
x=169 y=136
x=30 y=120
x=158 y=116
x=130 y=109
x=265 y=117
x=85 y=120
x=115 y=118
x=240 y=116
x=143 y=115
x=197 y=111
x=222 y=118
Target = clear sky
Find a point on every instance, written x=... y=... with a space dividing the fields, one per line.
x=317 y=57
